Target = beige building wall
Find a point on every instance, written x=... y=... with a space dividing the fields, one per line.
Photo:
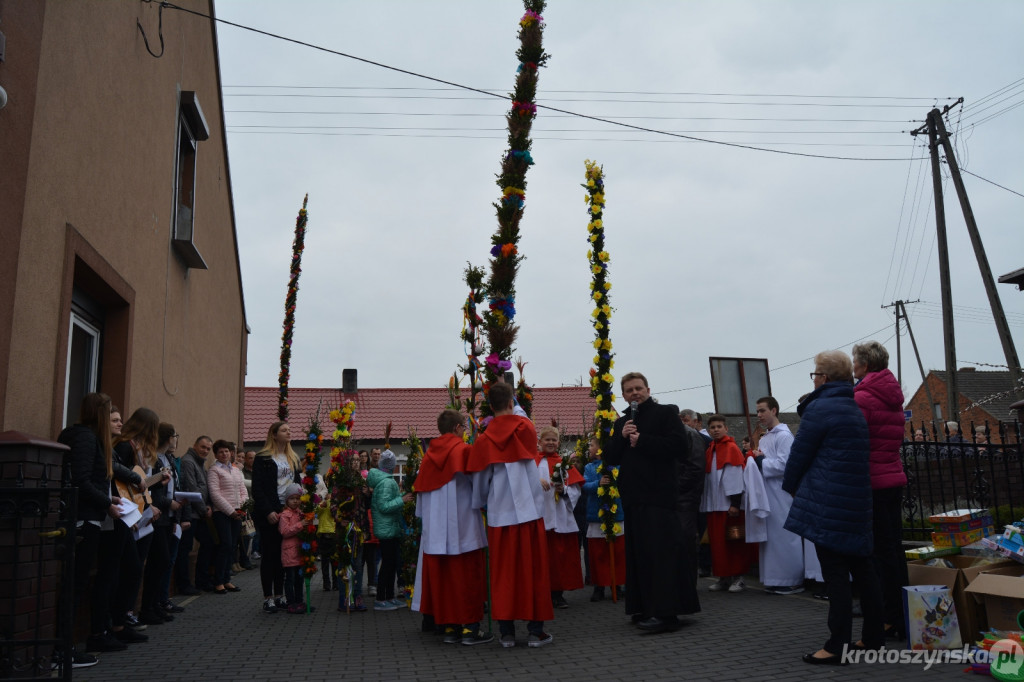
x=100 y=177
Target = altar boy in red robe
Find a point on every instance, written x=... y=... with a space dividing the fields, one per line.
x=505 y=480
x=451 y=576
x=723 y=502
x=560 y=498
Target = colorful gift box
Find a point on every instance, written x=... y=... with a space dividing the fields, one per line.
x=958 y=515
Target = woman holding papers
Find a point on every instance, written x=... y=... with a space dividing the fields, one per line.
x=135 y=448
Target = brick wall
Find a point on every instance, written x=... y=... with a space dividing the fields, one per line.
x=923 y=411
x=30 y=567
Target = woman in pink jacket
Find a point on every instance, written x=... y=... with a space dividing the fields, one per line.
x=227 y=493
x=880 y=398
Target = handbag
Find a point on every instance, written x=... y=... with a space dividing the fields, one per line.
x=248 y=527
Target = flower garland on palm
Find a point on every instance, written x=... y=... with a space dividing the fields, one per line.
x=298 y=245
x=310 y=500
x=409 y=547
x=505 y=257
x=344 y=486
x=601 y=380
x=473 y=344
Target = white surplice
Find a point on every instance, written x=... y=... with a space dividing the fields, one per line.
x=510 y=491
x=558 y=514
x=451 y=525
x=781 y=556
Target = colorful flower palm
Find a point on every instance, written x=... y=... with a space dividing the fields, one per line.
x=602 y=382
x=289 y=311
x=505 y=257
x=410 y=542
x=343 y=488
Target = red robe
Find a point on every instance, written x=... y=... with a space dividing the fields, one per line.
x=453 y=588
x=520 y=586
x=564 y=565
x=446 y=456
x=728 y=557
x=507 y=439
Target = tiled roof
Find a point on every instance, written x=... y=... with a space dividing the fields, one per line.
x=990 y=389
x=405 y=407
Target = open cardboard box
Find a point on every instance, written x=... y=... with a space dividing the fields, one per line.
x=1001 y=590
x=970 y=612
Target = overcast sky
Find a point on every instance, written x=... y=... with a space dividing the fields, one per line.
x=715 y=250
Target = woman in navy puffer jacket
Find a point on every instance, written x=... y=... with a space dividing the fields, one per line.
x=880 y=398
x=828 y=477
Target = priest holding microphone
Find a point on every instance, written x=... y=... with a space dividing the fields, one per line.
x=657 y=481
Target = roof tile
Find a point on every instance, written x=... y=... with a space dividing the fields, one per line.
x=405 y=407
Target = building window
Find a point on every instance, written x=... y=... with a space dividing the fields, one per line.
x=937 y=410
x=192 y=129
x=83 y=366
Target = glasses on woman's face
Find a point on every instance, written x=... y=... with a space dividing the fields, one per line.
x=817 y=374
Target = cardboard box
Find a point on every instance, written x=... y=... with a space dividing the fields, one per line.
x=970 y=611
x=1001 y=590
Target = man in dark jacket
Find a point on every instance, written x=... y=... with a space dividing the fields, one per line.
x=651 y=446
x=193 y=480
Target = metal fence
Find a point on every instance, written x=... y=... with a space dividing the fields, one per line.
x=945 y=471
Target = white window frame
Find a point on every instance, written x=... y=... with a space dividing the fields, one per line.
x=92 y=380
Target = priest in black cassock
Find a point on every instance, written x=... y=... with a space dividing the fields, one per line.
x=660 y=482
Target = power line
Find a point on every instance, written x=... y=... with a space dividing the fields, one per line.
x=562 y=139
x=264 y=95
x=560 y=130
x=996 y=93
x=602 y=92
x=546 y=107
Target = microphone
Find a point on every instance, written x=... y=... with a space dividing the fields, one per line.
x=633 y=407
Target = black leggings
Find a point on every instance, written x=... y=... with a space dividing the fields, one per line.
x=388 y=569
x=271 y=572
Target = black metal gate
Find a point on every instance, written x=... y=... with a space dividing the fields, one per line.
x=37 y=540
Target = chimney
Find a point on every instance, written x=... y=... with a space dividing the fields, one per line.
x=349 y=383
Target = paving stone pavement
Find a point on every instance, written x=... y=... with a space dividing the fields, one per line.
x=746 y=636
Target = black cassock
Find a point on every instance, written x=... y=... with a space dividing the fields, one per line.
x=660 y=481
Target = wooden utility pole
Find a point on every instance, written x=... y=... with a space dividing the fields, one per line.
x=1002 y=327
x=949 y=340
x=924 y=380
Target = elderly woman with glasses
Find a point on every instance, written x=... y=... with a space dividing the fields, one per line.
x=880 y=398
x=829 y=477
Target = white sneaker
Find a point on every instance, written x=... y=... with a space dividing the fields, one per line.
x=371 y=590
x=737 y=585
x=719 y=585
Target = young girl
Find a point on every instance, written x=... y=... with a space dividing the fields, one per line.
x=289 y=524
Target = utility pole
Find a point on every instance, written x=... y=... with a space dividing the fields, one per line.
x=1002 y=327
x=901 y=313
x=949 y=340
